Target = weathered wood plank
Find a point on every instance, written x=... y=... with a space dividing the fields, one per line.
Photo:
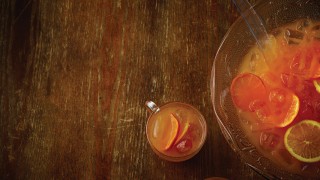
x=75 y=76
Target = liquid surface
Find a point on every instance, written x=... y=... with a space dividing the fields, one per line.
x=191 y=131
x=292 y=56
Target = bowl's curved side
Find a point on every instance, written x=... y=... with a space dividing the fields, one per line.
x=234 y=46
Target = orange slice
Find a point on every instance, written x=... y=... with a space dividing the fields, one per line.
x=173 y=132
x=247 y=88
x=316 y=84
x=183 y=131
x=316 y=62
x=284 y=106
x=305 y=61
x=302 y=141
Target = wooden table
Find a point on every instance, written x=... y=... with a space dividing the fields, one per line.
x=75 y=76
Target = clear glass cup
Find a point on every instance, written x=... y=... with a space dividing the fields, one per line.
x=176 y=131
x=236 y=43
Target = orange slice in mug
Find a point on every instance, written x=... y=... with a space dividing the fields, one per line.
x=172 y=131
x=183 y=131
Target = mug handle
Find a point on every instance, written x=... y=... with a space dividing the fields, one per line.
x=152 y=107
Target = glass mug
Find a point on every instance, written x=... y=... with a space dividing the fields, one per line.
x=176 y=131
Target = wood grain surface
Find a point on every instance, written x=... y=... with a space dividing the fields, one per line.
x=74 y=77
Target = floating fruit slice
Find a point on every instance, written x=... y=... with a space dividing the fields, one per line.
x=247 y=88
x=284 y=107
x=173 y=132
x=316 y=84
x=305 y=61
x=316 y=60
x=302 y=141
x=182 y=132
x=292 y=81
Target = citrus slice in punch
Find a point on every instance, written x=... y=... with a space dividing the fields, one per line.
x=303 y=141
x=316 y=84
x=173 y=132
x=305 y=61
x=284 y=106
x=247 y=88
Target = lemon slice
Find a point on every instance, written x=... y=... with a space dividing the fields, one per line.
x=316 y=84
x=303 y=141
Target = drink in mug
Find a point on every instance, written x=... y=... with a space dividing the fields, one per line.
x=176 y=131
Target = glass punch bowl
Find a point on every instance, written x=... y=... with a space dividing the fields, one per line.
x=236 y=43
